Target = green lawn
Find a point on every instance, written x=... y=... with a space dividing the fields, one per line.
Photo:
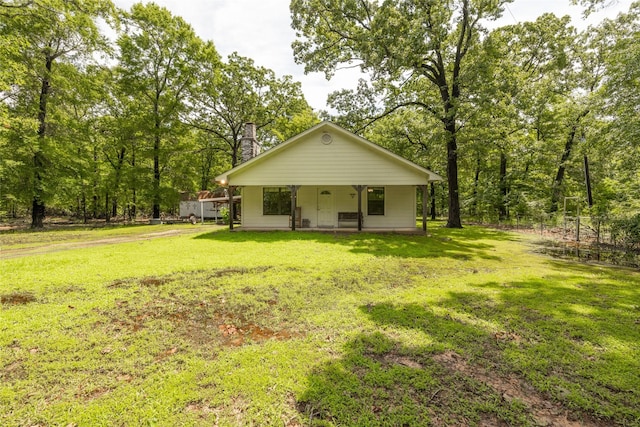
x=208 y=327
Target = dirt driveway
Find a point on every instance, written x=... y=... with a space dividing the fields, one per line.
x=63 y=246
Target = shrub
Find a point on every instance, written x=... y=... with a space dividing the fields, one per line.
x=626 y=232
x=225 y=215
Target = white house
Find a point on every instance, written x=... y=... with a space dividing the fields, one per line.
x=334 y=178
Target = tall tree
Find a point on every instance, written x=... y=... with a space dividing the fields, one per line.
x=523 y=76
x=622 y=88
x=230 y=94
x=159 y=54
x=582 y=83
x=618 y=143
x=418 y=46
x=36 y=37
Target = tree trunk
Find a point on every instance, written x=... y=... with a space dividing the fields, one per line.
x=235 y=154
x=454 y=220
x=116 y=183
x=133 y=211
x=156 y=158
x=556 y=187
x=37 y=211
x=94 y=207
x=449 y=121
x=107 y=213
x=587 y=181
x=503 y=212
x=38 y=205
x=205 y=176
x=83 y=206
x=156 y=177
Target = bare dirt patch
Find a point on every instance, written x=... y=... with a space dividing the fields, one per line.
x=204 y=323
x=237 y=270
x=510 y=387
x=89 y=393
x=17 y=298
x=392 y=358
x=153 y=281
x=13 y=371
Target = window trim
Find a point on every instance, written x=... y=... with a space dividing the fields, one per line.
x=370 y=191
x=283 y=201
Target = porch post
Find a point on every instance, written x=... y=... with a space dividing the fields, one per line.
x=359 y=189
x=294 y=198
x=424 y=207
x=232 y=190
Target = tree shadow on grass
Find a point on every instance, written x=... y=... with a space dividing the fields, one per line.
x=600 y=269
x=511 y=359
x=380 y=381
x=576 y=337
x=602 y=302
x=463 y=245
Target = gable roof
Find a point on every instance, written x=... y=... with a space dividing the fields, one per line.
x=327 y=154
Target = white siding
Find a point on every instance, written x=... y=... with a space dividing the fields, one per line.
x=191 y=207
x=252 y=211
x=308 y=202
x=345 y=161
x=400 y=207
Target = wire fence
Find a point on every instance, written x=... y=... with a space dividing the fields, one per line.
x=583 y=237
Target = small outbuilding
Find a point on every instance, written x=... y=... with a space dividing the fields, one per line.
x=326 y=178
x=206 y=205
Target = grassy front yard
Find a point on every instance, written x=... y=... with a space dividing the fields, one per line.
x=465 y=327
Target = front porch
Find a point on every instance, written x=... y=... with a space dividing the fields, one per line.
x=381 y=208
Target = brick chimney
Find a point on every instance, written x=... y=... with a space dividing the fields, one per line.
x=249 y=143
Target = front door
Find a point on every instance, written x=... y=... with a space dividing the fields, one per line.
x=325 y=208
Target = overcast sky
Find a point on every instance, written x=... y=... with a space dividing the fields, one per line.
x=261 y=30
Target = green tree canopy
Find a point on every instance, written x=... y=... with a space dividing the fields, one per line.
x=159 y=57
x=231 y=94
x=39 y=41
